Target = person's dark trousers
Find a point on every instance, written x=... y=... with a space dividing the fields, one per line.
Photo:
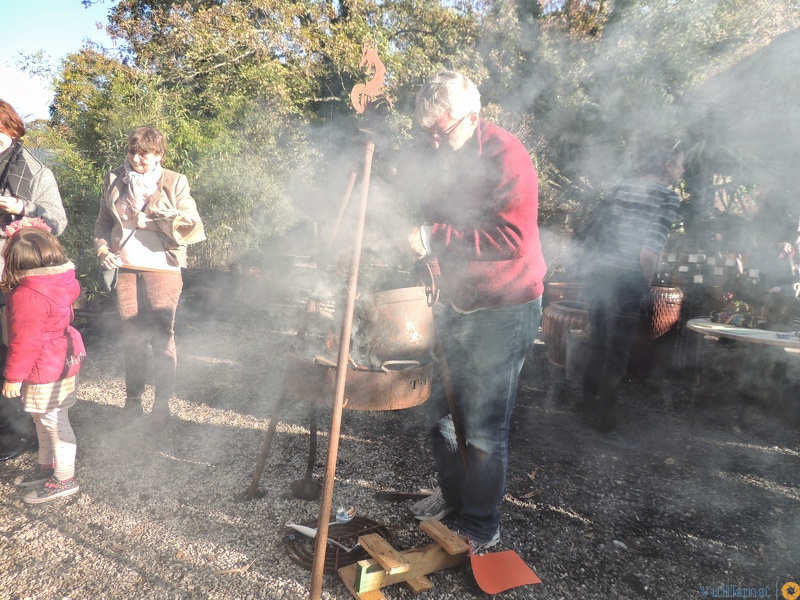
x=17 y=431
x=614 y=303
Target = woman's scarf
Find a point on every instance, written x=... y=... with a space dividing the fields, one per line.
x=141 y=185
x=16 y=176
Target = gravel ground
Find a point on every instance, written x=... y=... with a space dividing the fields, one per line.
x=707 y=501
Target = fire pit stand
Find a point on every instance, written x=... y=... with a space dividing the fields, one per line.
x=415 y=378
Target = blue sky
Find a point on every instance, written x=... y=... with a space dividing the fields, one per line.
x=56 y=27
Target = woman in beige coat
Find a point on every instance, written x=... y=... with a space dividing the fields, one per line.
x=147 y=218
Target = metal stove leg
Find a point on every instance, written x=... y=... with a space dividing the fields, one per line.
x=306 y=488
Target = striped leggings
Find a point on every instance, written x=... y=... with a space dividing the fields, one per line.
x=57 y=445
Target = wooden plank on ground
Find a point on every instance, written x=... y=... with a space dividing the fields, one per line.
x=379 y=549
x=348 y=577
x=419 y=585
x=368 y=575
x=452 y=543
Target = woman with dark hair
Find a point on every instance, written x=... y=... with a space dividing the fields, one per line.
x=147 y=219
x=27 y=189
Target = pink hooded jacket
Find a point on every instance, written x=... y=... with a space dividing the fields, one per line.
x=42 y=346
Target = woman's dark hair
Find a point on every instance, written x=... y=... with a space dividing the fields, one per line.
x=29 y=248
x=10 y=122
x=146 y=140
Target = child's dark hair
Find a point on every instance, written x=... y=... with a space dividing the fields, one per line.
x=29 y=248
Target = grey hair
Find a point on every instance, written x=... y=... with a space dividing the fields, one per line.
x=447 y=91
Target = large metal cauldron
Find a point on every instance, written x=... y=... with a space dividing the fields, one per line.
x=400 y=384
x=394 y=325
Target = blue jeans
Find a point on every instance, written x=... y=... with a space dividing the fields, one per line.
x=614 y=306
x=485 y=351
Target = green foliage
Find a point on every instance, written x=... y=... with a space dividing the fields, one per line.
x=254 y=94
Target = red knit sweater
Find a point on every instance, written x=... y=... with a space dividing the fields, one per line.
x=485 y=223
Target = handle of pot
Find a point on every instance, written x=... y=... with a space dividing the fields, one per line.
x=431 y=291
x=390 y=363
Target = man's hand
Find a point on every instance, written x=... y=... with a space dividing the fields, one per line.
x=12 y=389
x=415 y=242
x=11 y=205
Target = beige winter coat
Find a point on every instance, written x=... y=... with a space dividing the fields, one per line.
x=172 y=207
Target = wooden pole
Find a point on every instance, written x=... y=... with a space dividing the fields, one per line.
x=320 y=545
x=351 y=181
x=262 y=457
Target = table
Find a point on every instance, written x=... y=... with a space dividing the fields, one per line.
x=703 y=325
x=743 y=334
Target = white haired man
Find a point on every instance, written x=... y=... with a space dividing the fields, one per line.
x=481 y=205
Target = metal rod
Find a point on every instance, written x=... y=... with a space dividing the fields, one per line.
x=262 y=457
x=450 y=393
x=312 y=444
x=341 y=377
x=351 y=181
x=322 y=259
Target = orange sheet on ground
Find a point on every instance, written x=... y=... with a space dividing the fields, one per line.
x=500 y=571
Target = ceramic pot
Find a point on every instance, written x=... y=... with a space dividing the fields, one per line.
x=561 y=290
x=557 y=319
x=577 y=355
x=661 y=310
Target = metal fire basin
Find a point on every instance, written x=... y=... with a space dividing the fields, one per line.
x=389 y=389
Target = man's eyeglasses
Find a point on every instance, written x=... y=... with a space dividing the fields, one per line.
x=441 y=134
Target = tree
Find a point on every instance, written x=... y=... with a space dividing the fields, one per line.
x=254 y=94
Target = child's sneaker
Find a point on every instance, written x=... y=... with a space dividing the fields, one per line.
x=52 y=489
x=36 y=476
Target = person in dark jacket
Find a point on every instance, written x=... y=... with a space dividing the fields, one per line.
x=27 y=189
x=481 y=206
x=44 y=352
x=621 y=263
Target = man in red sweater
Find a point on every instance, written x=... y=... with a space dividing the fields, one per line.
x=481 y=207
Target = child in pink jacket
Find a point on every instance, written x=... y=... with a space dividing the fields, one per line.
x=44 y=351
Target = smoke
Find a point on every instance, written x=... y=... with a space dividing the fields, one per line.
x=614 y=92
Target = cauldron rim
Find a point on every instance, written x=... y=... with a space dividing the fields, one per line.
x=570 y=304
